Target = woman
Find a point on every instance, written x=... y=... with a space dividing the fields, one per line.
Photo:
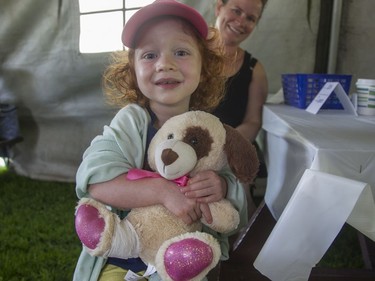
x=247 y=85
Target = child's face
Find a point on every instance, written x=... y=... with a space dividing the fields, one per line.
x=167 y=63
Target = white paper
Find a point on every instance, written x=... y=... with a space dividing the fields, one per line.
x=313 y=217
x=132 y=276
x=323 y=95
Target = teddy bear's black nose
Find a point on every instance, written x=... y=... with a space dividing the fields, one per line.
x=168 y=156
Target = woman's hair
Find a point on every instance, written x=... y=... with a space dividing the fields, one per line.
x=120 y=83
x=264 y=2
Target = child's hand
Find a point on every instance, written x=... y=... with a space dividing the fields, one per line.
x=185 y=208
x=206 y=187
x=206 y=213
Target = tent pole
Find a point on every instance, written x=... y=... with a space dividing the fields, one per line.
x=335 y=34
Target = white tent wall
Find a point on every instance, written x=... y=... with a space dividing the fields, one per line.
x=283 y=40
x=58 y=93
x=56 y=89
x=356 y=48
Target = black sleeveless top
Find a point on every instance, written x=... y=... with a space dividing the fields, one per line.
x=232 y=109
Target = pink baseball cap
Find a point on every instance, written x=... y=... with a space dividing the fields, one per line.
x=162 y=8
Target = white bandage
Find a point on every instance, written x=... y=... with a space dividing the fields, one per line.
x=125 y=242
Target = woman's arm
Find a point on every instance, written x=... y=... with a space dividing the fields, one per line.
x=258 y=91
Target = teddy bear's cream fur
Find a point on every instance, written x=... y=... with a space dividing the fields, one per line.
x=186 y=144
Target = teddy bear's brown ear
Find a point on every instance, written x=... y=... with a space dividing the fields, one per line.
x=241 y=155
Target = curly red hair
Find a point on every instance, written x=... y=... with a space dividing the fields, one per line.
x=120 y=83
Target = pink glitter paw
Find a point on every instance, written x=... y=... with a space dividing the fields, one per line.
x=185 y=259
x=89 y=225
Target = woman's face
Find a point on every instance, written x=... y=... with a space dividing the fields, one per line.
x=237 y=19
x=167 y=63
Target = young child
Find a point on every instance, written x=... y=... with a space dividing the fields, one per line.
x=173 y=65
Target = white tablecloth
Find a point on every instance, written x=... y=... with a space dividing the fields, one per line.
x=295 y=140
x=320 y=172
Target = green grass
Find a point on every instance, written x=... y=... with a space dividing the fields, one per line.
x=37 y=236
x=345 y=251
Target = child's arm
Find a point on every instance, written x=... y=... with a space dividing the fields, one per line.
x=127 y=194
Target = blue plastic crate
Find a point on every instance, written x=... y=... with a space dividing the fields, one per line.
x=300 y=89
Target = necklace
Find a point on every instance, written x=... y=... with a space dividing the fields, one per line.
x=231 y=67
x=235 y=56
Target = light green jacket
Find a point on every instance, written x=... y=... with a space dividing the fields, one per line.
x=120 y=148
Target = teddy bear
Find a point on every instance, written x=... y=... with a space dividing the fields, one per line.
x=186 y=144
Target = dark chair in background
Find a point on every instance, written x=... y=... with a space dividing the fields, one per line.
x=9 y=130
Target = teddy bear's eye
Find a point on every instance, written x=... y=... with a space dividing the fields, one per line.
x=199 y=139
x=170 y=137
x=194 y=141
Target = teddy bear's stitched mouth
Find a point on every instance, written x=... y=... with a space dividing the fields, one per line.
x=171 y=176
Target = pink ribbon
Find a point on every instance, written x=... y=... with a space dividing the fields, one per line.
x=136 y=174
